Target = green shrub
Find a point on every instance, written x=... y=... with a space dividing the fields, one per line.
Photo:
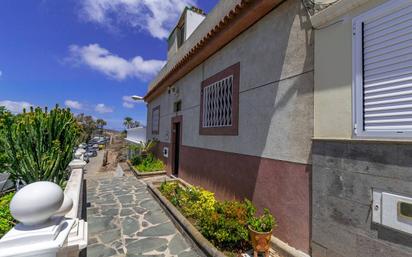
x=199 y=202
x=223 y=223
x=226 y=227
x=5 y=116
x=136 y=160
x=6 y=220
x=175 y=193
x=264 y=223
x=150 y=163
x=168 y=189
x=39 y=144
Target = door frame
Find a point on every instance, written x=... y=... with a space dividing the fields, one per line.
x=174 y=120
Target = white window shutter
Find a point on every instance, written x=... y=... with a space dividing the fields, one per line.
x=382 y=71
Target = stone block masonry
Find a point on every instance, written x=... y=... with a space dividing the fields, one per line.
x=343 y=175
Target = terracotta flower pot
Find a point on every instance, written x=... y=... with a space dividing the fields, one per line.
x=260 y=241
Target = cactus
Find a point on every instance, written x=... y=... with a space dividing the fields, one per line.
x=39 y=144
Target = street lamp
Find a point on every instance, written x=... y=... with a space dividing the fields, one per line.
x=137 y=98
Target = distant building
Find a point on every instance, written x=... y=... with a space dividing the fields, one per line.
x=135 y=136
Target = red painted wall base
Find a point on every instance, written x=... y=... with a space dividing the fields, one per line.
x=283 y=187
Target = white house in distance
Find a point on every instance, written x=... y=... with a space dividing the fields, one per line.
x=135 y=136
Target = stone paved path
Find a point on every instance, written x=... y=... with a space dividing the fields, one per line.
x=125 y=220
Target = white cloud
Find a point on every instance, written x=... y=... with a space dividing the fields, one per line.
x=102 y=108
x=73 y=104
x=102 y=60
x=1 y=73
x=154 y=16
x=128 y=105
x=15 y=107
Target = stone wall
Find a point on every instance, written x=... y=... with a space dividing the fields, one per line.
x=343 y=175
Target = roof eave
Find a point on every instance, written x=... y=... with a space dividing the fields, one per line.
x=240 y=18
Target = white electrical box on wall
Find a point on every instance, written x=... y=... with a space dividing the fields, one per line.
x=392 y=210
x=165 y=152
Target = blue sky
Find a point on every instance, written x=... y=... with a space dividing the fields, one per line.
x=90 y=55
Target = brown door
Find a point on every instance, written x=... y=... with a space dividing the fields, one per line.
x=176 y=142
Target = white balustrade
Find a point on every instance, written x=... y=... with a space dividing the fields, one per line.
x=50 y=224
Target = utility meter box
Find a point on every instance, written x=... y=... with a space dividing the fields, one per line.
x=165 y=152
x=392 y=210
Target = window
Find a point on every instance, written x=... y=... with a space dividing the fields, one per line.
x=156 y=120
x=382 y=71
x=180 y=35
x=177 y=106
x=219 y=103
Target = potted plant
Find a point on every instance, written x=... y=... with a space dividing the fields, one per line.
x=260 y=231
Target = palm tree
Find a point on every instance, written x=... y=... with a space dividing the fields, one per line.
x=100 y=123
x=88 y=125
x=135 y=124
x=127 y=122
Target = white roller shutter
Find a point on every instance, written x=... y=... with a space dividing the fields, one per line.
x=382 y=70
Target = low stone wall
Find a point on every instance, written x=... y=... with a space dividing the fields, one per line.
x=74 y=189
x=77 y=239
x=343 y=176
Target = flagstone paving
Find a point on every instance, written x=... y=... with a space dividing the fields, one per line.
x=125 y=220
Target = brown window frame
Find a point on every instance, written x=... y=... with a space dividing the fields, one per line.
x=156 y=132
x=233 y=130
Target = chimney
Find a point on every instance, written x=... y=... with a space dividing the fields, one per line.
x=187 y=24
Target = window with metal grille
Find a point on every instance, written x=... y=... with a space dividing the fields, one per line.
x=382 y=71
x=217 y=103
x=220 y=103
x=155 y=120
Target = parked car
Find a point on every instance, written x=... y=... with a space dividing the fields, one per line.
x=91 y=153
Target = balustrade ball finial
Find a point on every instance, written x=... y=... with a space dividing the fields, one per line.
x=36 y=203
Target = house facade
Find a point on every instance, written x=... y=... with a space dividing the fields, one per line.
x=362 y=152
x=232 y=109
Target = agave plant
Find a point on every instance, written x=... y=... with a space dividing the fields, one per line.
x=145 y=147
x=39 y=144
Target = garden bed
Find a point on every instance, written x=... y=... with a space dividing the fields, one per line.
x=219 y=228
x=204 y=244
x=141 y=174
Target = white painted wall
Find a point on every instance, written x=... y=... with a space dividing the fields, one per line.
x=276 y=90
x=136 y=135
x=192 y=21
x=333 y=76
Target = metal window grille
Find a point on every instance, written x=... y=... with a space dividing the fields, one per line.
x=383 y=75
x=217 y=103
